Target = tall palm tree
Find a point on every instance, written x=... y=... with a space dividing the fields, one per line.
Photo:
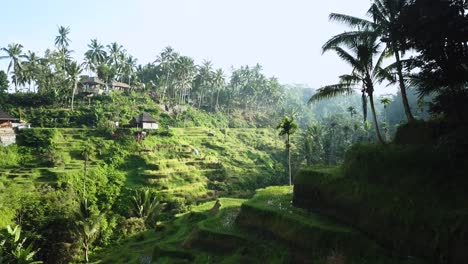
x=96 y=54
x=32 y=67
x=185 y=72
x=128 y=69
x=288 y=127
x=115 y=53
x=203 y=81
x=366 y=72
x=73 y=70
x=61 y=40
x=166 y=61
x=15 y=54
x=218 y=84
x=384 y=15
x=87 y=226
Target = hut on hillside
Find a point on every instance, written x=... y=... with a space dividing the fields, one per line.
x=120 y=86
x=7 y=134
x=145 y=121
x=92 y=85
x=7 y=120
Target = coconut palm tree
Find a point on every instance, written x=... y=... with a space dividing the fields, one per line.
x=166 y=61
x=87 y=226
x=73 y=70
x=366 y=72
x=352 y=111
x=128 y=69
x=15 y=54
x=288 y=127
x=95 y=55
x=384 y=24
x=61 y=40
x=115 y=54
x=218 y=84
x=203 y=81
x=32 y=65
x=185 y=73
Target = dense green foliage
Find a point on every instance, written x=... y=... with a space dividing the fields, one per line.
x=86 y=184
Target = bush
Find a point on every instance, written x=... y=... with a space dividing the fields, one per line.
x=37 y=137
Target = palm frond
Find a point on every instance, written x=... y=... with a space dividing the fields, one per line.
x=346 y=38
x=351 y=21
x=344 y=55
x=330 y=91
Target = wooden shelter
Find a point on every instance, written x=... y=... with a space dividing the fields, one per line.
x=92 y=85
x=6 y=120
x=145 y=121
x=120 y=86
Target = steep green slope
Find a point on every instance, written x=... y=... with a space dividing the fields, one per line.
x=191 y=164
x=265 y=229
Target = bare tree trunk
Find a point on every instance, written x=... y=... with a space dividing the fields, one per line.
x=86 y=254
x=377 y=130
x=288 y=147
x=73 y=95
x=404 y=97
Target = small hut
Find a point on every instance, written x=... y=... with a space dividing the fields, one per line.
x=145 y=121
x=7 y=120
x=92 y=85
x=120 y=86
x=7 y=134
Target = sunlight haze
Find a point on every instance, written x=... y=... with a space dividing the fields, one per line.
x=285 y=37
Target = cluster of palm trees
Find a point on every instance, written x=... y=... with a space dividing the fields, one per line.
x=364 y=48
x=178 y=80
x=58 y=73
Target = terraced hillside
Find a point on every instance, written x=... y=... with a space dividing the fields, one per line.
x=265 y=229
x=190 y=163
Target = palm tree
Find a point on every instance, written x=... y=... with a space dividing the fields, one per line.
x=218 y=84
x=73 y=70
x=115 y=54
x=14 y=53
x=166 y=61
x=185 y=73
x=32 y=67
x=146 y=206
x=363 y=76
x=129 y=66
x=96 y=54
x=384 y=24
x=87 y=226
x=352 y=111
x=203 y=81
x=61 y=40
x=288 y=127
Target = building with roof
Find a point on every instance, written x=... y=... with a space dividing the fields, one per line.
x=7 y=134
x=145 y=121
x=92 y=85
x=7 y=120
x=120 y=86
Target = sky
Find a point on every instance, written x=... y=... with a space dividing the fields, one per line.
x=284 y=36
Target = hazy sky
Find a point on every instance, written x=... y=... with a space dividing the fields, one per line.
x=284 y=36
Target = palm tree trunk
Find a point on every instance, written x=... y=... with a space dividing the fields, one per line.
x=404 y=97
x=289 y=161
x=374 y=115
x=73 y=95
x=217 y=101
x=86 y=254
